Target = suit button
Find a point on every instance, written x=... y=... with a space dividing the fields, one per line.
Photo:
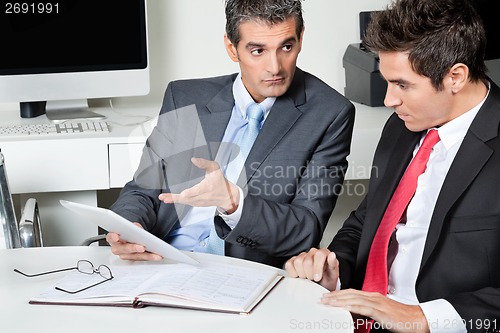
x=243 y=241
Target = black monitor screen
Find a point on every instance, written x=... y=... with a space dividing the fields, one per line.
x=72 y=35
x=488 y=11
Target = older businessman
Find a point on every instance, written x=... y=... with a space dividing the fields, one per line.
x=292 y=172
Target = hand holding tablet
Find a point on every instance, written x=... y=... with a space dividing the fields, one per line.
x=112 y=222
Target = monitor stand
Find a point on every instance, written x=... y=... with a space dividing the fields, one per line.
x=59 y=111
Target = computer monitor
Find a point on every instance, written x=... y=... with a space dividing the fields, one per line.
x=57 y=52
x=487 y=9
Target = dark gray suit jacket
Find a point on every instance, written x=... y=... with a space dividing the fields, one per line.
x=460 y=260
x=294 y=171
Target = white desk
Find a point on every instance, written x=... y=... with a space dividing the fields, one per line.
x=74 y=162
x=292 y=306
x=74 y=168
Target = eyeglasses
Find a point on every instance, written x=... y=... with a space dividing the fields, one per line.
x=83 y=266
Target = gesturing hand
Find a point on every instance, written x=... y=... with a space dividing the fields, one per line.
x=213 y=190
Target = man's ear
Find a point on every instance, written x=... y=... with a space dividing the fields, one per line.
x=459 y=75
x=231 y=49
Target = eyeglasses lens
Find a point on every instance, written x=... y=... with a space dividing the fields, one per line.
x=85 y=267
x=104 y=271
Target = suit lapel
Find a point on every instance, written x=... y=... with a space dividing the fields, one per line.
x=471 y=157
x=214 y=118
x=280 y=120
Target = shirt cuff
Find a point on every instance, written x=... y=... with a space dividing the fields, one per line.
x=233 y=219
x=339 y=285
x=442 y=317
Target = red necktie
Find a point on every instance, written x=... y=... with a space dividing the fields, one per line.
x=376 y=268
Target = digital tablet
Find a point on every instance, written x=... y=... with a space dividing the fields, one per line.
x=129 y=232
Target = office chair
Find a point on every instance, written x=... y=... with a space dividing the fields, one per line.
x=26 y=233
x=30 y=228
x=99 y=238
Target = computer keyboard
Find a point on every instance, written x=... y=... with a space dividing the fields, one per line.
x=55 y=129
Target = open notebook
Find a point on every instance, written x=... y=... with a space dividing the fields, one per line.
x=214 y=287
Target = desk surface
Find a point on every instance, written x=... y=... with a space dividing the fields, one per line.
x=293 y=305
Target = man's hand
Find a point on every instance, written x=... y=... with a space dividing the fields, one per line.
x=129 y=251
x=322 y=266
x=390 y=314
x=319 y=265
x=213 y=190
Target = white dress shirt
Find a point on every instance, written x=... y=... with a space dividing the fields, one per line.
x=411 y=236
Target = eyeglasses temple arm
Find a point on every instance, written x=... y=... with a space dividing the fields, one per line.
x=44 y=273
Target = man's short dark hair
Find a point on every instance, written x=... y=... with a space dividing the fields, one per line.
x=437 y=34
x=267 y=11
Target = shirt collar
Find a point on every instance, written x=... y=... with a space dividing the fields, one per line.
x=455 y=130
x=242 y=98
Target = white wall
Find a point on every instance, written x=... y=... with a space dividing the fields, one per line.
x=186 y=40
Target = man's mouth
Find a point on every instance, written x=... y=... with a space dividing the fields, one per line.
x=276 y=80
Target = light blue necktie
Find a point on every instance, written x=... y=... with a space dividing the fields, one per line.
x=255 y=116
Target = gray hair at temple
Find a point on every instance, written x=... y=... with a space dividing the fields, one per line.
x=268 y=11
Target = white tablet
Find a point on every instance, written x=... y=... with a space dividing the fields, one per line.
x=112 y=222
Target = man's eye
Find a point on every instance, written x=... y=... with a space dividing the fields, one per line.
x=256 y=52
x=287 y=48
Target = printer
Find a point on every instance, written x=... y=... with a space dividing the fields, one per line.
x=363 y=82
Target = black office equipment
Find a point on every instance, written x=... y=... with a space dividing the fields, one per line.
x=487 y=9
x=364 y=84
x=59 y=54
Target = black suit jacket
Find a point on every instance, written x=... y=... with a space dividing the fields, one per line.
x=294 y=170
x=460 y=260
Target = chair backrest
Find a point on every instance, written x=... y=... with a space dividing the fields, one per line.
x=30 y=227
x=28 y=233
x=9 y=233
